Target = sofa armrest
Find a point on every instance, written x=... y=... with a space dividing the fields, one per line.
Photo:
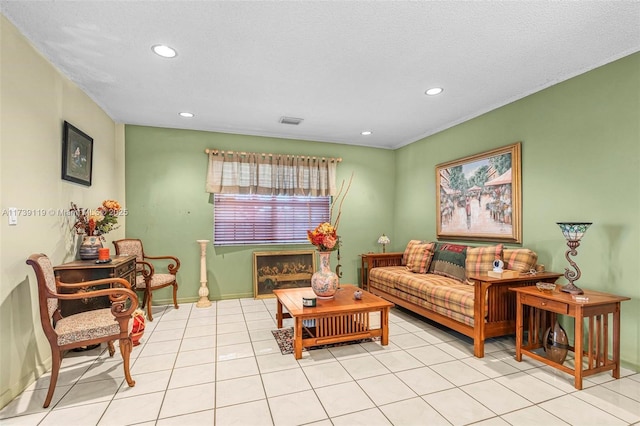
x=375 y=260
x=493 y=294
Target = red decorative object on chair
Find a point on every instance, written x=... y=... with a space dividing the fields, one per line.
x=138 y=327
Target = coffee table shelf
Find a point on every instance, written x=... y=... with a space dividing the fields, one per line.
x=340 y=319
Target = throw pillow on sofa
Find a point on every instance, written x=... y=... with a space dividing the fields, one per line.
x=419 y=257
x=480 y=259
x=410 y=245
x=521 y=260
x=449 y=260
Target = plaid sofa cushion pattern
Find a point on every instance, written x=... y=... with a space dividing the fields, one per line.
x=521 y=259
x=419 y=257
x=430 y=306
x=480 y=259
x=444 y=295
x=449 y=260
x=408 y=249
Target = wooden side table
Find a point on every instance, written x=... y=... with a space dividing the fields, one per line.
x=596 y=310
x=86 y=270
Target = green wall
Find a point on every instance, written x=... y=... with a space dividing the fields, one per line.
x=580 y=155
x=169 y=209
x=580 y=162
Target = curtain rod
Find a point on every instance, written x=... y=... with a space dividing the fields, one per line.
x=215 y=152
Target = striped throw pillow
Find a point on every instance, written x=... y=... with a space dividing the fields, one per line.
x=419 y=257
x=480 y=259
x=449 y=261
x=410 y=244
x=521 y=259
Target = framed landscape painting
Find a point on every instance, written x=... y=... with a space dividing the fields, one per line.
x=77 y=155
x=282 y=269
x=480 y=197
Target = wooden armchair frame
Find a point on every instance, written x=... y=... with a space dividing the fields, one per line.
x=123 y=302
x=145 y=269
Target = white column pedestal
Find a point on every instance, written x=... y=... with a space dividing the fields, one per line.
x=203 y=292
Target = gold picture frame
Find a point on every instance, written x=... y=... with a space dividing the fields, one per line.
x=281 y=269
x=479 y=197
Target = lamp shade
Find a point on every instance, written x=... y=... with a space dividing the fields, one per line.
x=383 y=239
x=573 y=231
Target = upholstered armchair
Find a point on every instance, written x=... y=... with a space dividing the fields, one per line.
x=147 y=279
x=84 y=328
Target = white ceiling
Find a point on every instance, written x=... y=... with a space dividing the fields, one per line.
x=343 y=67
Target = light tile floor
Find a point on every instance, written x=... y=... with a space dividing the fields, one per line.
x=221 y=365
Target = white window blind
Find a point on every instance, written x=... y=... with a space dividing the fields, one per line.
x=266 y=219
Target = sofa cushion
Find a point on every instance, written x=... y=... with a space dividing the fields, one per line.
x=419 y=257
x=408 y=249
x=521 y=259
x=449 y=260
x=480 y=259
x=449 y=295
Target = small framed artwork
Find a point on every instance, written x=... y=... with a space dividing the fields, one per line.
x=77 y=155
x=281 y=269
x=480 y=197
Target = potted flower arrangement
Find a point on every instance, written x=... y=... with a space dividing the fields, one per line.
x=324 y=282
x=93 y=224
x=324 y=237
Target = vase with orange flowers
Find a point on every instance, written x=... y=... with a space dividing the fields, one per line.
x=325 y=282
x=92 y=224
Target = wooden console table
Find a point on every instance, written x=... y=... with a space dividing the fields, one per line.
x=87 y=270
x=538 y=305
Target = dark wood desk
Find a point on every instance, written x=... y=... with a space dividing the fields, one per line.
x=596 y=310
x=87 y=270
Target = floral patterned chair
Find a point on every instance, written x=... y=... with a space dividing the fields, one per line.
x=146 y=277
x=84 y=328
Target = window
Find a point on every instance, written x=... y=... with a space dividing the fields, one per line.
x=266 y=219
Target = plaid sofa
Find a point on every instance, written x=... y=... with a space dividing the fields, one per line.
x=450 y=296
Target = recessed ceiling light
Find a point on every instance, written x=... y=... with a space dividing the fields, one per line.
x=185 y=114
x=164 y=51
x=366 y=133
x=434 y=91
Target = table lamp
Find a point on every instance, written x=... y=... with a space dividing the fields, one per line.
x=384 y=240
x=573 y=232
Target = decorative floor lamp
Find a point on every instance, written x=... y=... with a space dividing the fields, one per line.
x=203 y=292
x=573 y=232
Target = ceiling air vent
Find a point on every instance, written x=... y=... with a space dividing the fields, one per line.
x=291 y=120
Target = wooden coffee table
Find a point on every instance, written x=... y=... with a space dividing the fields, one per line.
x=340 y=319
